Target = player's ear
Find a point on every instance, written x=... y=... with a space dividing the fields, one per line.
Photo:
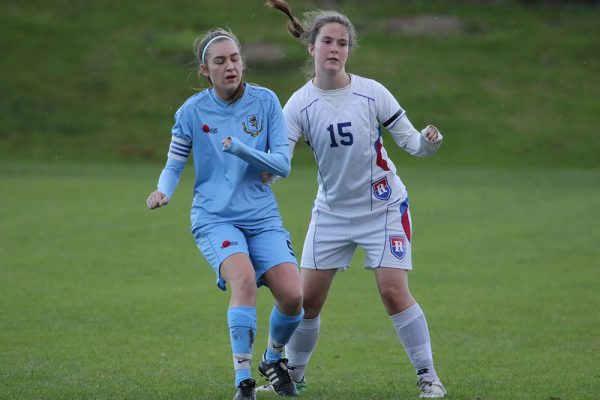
x=204 y=70
x=311 y=49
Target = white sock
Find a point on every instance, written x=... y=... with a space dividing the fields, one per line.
x=411 y=329
x=300 y=347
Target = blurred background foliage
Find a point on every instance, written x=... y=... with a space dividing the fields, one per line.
x=507 y=82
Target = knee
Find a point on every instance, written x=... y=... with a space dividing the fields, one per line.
x=292 y=304
x=389 y=293
x=244 y=286
x=395 y=299
x=312 y=309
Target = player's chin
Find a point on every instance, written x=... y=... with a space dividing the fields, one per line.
x=231 y=87
x=333 y=67
x=333 y=72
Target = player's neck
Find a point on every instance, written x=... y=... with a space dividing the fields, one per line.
x=328 y=82
x=230 y=96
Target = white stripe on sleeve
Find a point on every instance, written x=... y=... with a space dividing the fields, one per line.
x=179 y=149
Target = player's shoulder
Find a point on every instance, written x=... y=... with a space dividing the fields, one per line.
x=367 y=86
x=303 y=97
x=261 y=93
x=194 y=101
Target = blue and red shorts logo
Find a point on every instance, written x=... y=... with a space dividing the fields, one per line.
x=398 y=246
x=381 y=189
x=227 y=243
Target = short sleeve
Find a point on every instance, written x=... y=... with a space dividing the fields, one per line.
x=292 y=120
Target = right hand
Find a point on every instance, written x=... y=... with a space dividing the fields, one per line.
x=157 y=199
x=266 y=177
x=226 y=142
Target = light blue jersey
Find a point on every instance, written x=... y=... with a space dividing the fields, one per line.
x=228 y=187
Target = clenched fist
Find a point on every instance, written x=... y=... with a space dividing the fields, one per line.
x=157 y=199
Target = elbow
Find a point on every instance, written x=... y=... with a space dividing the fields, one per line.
x=286 y=168
x=285 y=171
x=284 y=165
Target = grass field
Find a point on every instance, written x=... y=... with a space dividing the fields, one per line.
x=104 y=299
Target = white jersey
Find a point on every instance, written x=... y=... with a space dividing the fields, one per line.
x=343 y=128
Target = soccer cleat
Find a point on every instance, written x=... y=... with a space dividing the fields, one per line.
x=431 y=389
x=300 y=386
x=265 y=388
x=279 y=377
x=245 y=390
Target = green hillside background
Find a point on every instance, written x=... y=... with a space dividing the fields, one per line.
x=507 y=83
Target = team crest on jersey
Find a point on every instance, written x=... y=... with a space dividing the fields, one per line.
x=381 y=189
x=252 y=126
x=398 y=246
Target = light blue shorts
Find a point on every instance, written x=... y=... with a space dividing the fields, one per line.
x=266 y=247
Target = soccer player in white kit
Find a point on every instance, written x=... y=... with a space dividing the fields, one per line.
x=236 y=131
x=361 y=201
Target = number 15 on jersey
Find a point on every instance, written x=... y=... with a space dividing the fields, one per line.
x=344 y=135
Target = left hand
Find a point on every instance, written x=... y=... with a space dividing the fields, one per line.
x=431 y=133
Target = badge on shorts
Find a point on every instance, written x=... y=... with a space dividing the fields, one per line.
x=227 y=243
x=398 y=246
x=381 y=189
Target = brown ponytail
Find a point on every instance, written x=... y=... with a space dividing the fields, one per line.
x=295 y=28
x=308 y=30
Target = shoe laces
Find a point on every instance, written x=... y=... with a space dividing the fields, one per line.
x=283 y=362
x=280 y=370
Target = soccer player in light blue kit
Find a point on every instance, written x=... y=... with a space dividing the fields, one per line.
x=236 y=133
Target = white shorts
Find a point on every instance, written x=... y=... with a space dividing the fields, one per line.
x=385 y=237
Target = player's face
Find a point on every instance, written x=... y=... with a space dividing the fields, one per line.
x=330 y=50
x=223 y=67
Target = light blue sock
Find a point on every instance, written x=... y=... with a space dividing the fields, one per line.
x=242 y=331
x=281 y=330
